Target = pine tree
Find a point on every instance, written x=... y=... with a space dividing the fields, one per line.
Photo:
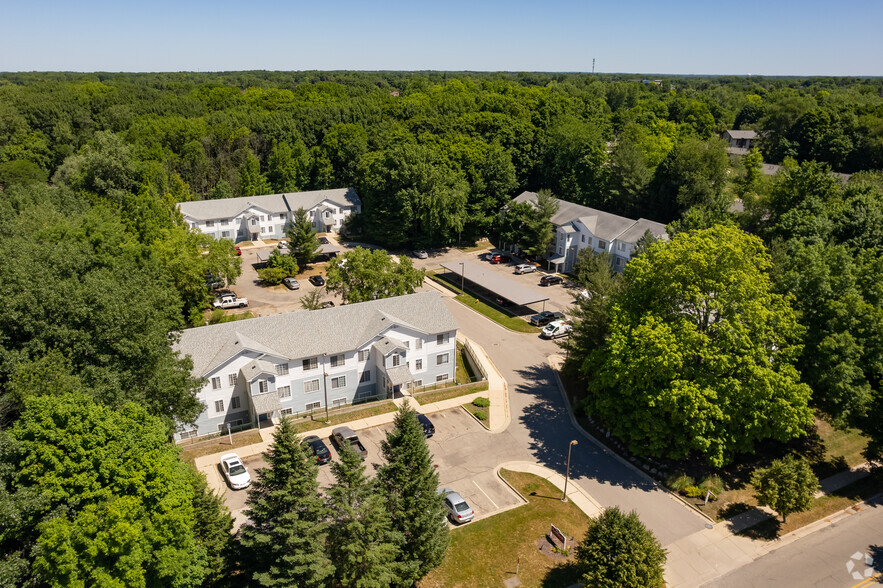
x=251 y=181
x=409 y=484
x=284 y=540
x=302 y=240
x=361 y=541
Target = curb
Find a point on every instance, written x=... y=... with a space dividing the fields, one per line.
x=486 y=428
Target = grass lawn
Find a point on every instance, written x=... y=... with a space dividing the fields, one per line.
x=475 y=409
x=484 y=553
x=220 y=443
x=480 y=245
x=464 y=373
x=316 y=421
x=492 y=311
x=452 y=392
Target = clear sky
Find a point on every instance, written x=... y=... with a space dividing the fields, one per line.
x=773 y=37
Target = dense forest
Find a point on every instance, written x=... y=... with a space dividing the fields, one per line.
x=98 y=272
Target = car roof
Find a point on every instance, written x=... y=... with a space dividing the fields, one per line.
x=422 y=417
x=555 y=324
x=343 y=430
x=311 y=438
x=455 y=498
x=230 y=456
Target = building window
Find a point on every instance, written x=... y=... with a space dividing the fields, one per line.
x=602 y=244
x=314 y=405
x=311 y=386
x=441 y=377
x=281 y=369
x=337 y=402
x=232 y=379
x=442 y=359
x=216 y=383
x=311 y=364
x=418 y=383
x=233 y=424
x=364 y=355
x=618 y=261
x=285 y=412
x=365 y=377
x=225 y=234
x=219 y=406
x=209 y=223
x=418 y=344
x=622 y=246
x=583 y=238
x=263 y=386
x=561 y=251
x=441 y=339
x=338 y=382
x=234 y=403
x=187 y=434
x=284 y=391
x=282 y=216
x=337 y=360
x=396 y=360
x=418 y=364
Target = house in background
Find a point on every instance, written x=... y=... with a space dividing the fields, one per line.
x=740 y=142
x=250 y=218
x=580 y=227
x=264 y=368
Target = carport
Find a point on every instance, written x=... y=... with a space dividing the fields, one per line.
x=513 y=291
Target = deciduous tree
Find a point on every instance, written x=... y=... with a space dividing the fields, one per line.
x=787 y=485
x=363 y=274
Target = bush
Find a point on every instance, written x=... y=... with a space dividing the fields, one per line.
x=693 y=491
x=713 y=483
x=481 y=402
x=272 y=275
x=678 y=482
x=480 y=415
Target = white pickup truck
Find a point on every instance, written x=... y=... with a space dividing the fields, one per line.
x=230 y=302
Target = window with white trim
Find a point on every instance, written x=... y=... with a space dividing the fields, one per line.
x=263 y=386
x=441 y=377
x=418 y=364
x=395 y=359
x=225 y=234
x=442 y=359
x=219 y=406
x=365 y=377
x=209 y=223
x=281 y=369
x=618 y=261
x=284 y=391
x=418 y=383
x=442 y=339
x=187 y=434
x=216 y=383
x=418 y=344
x=583 y=238
x=337 y=360
x=311 y=386
x=364 y=355
x=234 y=403
x=233 y=424
x=602 y=244
x=286 y=412
x=314 y=405
x=621 y=246
x=338 y=382
x=232 y=379
x=311 y=363
x=338 y=402
x=407 y=344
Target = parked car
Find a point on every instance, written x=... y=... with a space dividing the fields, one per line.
x=421 y=254
x=428 y=427
x=317 y=280
x=238 y=250
x=291 y=283
x=555 y=329
x=545 y=317
x=323 y=240
x=213 y=282
x=282 y=244
x=235 y=471
x=500 y=258
x=345 y=436
x=550 y=280
x=327 y=304
x=524 y=268
x=225 y=292
x=317 y=448
x=230 y=302
x=459 y=510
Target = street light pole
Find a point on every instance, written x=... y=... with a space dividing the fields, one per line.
x=567 y=473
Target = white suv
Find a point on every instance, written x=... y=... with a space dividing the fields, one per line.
x=524 y=268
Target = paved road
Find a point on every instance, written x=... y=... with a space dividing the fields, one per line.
x=819 y=560
x=541 y=430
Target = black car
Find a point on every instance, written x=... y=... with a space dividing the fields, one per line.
x=323 y=241
x=327 y=304
x=317 y=280
x=545 y=317
x=428 y=427
x=317 y=447
x=550 y=280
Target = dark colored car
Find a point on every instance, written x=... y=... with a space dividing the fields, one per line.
x=550 y=280
x=500 y=258
x=323 y=240
x=327 y=304
x=545 y=317
x=428 y=427
x=225 y=292
x=317 y=280
x=317 y=447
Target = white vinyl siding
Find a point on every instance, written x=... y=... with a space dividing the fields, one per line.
x=311 y=363
x=219 y=406
x=311 y=386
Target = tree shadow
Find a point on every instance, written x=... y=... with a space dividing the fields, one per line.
x=876 y=553
x=766 y=530
x=565 y=574
x=548 y=421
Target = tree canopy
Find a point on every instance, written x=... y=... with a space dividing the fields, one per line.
x=364 y=274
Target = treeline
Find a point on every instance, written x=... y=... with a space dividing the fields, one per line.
x=434 y=155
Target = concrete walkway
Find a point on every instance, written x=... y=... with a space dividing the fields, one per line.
x=575 y=494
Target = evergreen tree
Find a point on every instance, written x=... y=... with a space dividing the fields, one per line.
x=289 y=167
x=361 y=541
x=303 y=243
x=408 y=482
x=212 y=526
x=284 y=539
x=251 y=181
x=221 y=190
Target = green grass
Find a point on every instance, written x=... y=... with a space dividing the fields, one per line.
x=219 y=443
x=490 y=310
x=485 y=552
x=464 y=371
x=481 y=245
x=316 y=421
x=452 y=392
x=475 y=410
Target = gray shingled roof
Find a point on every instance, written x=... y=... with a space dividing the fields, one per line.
x=386 y=345
x=272 y=203
x=309 y=333
x=399 y=375
x=256 y=367
x=637 y=230
x=742 y=134
x=267 y=402
x=605 y=225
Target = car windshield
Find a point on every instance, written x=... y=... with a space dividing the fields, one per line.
x=237 y=469
x=461 y=507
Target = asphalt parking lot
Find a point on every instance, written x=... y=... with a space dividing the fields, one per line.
x=464 y=453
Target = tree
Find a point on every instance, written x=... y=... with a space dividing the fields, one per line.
x=628 y=178
x=283 y=541
x=251 y=181
x=361 y=541
x=618 y=551
x=408 y=482
x=130 y=519
x=221 y=190
x=279 y=267
x=693 y=173
x=787 y=485
x=303 y=241
x=312 y=300
x=529 y=224
x=212 y=527
x=363 y=274
x=700 y=354
x=289 y=167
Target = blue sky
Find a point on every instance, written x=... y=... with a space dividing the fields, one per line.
x=808 y=37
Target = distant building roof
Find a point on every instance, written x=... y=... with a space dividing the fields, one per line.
x=634 y=233
x=308 y=333
x=272 y=203
x=741 y=134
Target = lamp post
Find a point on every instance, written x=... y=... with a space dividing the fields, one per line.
x=462 y=276
x=567 y=472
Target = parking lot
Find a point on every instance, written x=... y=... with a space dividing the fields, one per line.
x=463 y=450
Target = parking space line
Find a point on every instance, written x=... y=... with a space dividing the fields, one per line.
x=485 y=494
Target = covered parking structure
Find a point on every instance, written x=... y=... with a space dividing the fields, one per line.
x=483 y=278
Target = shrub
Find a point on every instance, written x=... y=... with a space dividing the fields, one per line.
x=480 y=415
x=693 y=491
x=481 y=402
x=679 y=481
x=272 y=275
x=713 y=483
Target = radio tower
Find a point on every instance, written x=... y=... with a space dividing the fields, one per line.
x=593 y=66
